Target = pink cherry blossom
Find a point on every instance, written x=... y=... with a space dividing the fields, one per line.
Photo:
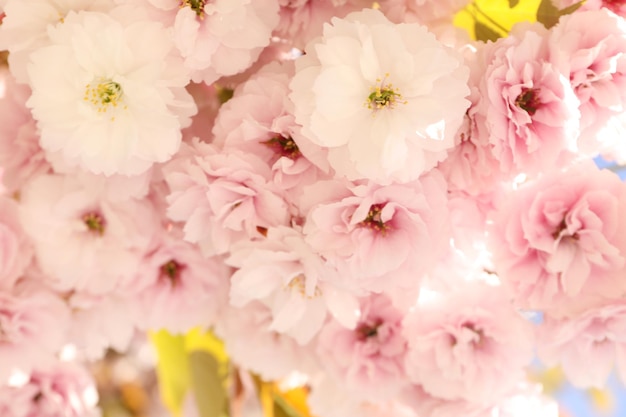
x=177 y=289
x=528 y=104
x=109 y=104
x=364 y=92
x=60 y=390
x=274 y=354
x=595 y=337
x=222 y=197
x=285 y=273
x=222 y=37
x=21 y=157
x=303 y=20
x=16 y=250
x=84 y=239
x=421 y=11
x=559 y=242
x=99 y=323
x=34 y=323
x=592 y=57
x=470 y=344
x=26 y=23
x=369 y=359
x=381 y=237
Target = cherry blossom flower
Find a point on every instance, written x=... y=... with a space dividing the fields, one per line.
x=62 y=389
x=177 y=289
x=303 y=20
x=109 y=104
x=222 y=37
x=593 y=58
x=83 y=240
x=34 y=323
x=369 y=359
x=470 y=344
x=421 y=11
x=222 y=197
x=26 y=23
x=16 y=251
x=529 y=106
x=384 y=99
x=596 y=336
x=559 y=242
x=285 y=274
x=275 y=355
x=381 y=237
x=21 y=157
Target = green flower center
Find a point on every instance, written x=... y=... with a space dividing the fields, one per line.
x=383 y=95
x=104 y=94
x=374 y=219
x=95 y=222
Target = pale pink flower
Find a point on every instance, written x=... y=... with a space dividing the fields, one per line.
x=384 y=99
x=83 y=239
x=328 y=398
x=34 y=324
x=616 y=6
x=21 y=157
x=222 y=37
x=381 y=237
x=26 y=23
x=62 y=389
x=176 y=288
x=284 y=273
x=16 y=250
x=470 y=344
x=421 y=11
x=559 y=242
x=303 y=20
x=596 y=336
x=528 y=104
x=222 y=197
x=590 y=49
x=273 y=355
x=259 y=119
x=99 y=323
x=369 y=359
x=109 y=104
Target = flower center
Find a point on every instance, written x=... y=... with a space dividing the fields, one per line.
x=104 y=93
x=95 y=222
x=284 y=146
x=298 y=284
x=171 y=270
x=528 y=100
x=374 y=219
x=196 y=5
x=562 y=232
x=383 y=95
x=365 y=331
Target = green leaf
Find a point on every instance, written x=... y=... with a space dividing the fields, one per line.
x=549 y=15
x=485 y=33
x=513 y=3
x=208 y=384
x=172 y=369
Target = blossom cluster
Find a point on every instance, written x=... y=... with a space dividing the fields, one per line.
x=381 y=207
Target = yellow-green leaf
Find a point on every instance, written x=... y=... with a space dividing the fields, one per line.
x=498 y=15
x=485 y=33
x=549 y=15
x=208 y=384
x=172 y=369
